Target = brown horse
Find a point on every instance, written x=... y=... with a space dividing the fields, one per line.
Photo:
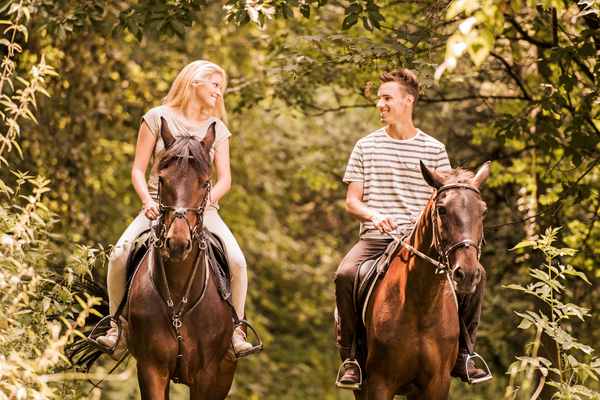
x=179 y=327
x=412 y=325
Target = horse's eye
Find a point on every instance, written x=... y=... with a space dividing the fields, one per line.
x=441 y=210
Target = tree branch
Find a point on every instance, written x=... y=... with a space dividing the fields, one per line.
x=324 y=111
x=526 y=36
x=425 y=100
x=512 y=74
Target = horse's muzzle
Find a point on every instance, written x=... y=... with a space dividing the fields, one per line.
x=178 y=249
x=466 y=278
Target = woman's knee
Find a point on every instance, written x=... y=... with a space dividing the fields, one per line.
x=118 y=260
x=237 y=263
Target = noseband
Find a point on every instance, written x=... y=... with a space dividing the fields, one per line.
x=444 y=254
x=181 y=212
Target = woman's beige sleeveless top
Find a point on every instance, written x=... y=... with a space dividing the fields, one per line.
x=178 y=128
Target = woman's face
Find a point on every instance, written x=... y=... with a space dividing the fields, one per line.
x=208 y=92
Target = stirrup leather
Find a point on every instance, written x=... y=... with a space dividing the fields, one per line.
x=474 y=381
x=97 y=332
x=354 y=386
x=255 y=349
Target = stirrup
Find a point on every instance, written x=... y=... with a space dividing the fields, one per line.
x=474 y=381
x=254 y=349
x=351 y=386
x=97 y=332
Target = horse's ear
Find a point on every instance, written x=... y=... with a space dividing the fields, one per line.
x=432 y=179
x=209 y=139
x=482 y=175
x=166 y=134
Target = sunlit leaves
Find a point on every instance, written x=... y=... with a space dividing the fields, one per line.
x=591 y=6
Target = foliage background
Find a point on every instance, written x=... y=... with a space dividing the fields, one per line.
x=526 y=98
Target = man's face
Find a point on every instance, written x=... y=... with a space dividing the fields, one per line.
x=392 y=104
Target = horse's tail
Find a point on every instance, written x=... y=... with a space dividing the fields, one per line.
x=80 y=352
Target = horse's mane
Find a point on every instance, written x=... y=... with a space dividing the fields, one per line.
x=184 y=149
x=458 y=175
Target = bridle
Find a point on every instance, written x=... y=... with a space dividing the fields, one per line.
x=181 y=212
x=163 y=229
x=443 y=263
x=444 y=254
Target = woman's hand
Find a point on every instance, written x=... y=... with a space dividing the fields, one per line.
x=151 y=209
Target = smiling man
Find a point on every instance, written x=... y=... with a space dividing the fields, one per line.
x=386 y=191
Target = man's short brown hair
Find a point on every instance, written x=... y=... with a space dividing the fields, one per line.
x=409 y=83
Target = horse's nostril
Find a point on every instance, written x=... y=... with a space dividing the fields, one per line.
x=459 y=274
x=168 y=243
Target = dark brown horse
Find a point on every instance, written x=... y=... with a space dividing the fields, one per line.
x=412 y=326
x=179 y=327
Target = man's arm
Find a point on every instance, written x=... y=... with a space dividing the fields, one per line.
x=358 y=210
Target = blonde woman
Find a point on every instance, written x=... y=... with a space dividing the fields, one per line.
x=193 y=103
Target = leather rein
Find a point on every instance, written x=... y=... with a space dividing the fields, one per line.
x=443 y=263
x=195 y=234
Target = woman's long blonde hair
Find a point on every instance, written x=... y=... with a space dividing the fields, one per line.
x=197 y=72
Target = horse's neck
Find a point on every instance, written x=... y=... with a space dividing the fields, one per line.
x=421 y=278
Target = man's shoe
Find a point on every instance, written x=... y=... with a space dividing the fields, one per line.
x=351 y=379
x=461 y=367
x=110 y=339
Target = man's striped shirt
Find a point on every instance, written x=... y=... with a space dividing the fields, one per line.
x=390 y=171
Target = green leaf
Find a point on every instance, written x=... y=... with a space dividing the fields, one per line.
x=354 y=9
x=525 y=243
x=349 y=21
x=525 y=324
x=178 y=28
x=305 y=10
x=587 y=50
x=289 y=68
x=272 y=71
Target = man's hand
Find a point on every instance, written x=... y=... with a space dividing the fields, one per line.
x=383 y=223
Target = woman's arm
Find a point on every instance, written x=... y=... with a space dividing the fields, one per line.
x=143 y=152
x=223 y=172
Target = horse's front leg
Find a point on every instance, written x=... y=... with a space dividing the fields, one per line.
x=437 y=389
x=203 y=387
x=154 y=385
x=378 y=389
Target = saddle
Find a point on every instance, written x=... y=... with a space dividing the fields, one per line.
x=369 y=272
x=217 y=258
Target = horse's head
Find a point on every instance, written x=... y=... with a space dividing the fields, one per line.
x=184 y=184
x=457 y=215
